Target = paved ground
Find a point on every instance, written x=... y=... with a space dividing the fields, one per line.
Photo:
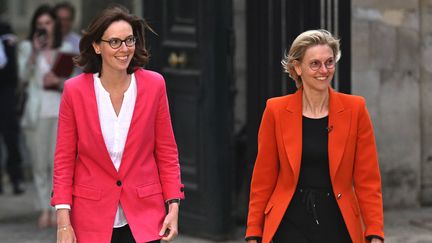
x=18 y=224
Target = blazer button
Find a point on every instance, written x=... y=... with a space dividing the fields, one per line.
x=339 y=196
x=119 y=183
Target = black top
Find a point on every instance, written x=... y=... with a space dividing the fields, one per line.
x=314 y=172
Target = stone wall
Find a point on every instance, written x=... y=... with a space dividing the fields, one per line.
x=391 y=44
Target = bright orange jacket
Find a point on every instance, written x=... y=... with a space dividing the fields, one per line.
x=353 y=162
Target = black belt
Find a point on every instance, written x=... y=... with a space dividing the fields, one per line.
x=309 y=198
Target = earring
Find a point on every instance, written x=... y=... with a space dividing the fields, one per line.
x=97 y=52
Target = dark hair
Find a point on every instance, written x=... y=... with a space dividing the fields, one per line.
x=90 y=61
x=65 y=5
x=48 y=10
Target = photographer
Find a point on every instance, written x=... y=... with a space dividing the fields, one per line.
x=36 y=57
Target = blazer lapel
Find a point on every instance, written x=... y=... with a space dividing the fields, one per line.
x=134 y=131
x=291 y=126
x=339 y=125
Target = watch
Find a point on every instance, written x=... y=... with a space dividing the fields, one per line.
x=175 y=200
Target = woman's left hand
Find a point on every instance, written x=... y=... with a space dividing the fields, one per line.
x=376 y=240
x=170 y=225
x=51 y=81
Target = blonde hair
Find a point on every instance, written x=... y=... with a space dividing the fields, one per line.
x=302 y=43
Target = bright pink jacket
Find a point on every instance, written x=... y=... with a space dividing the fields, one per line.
x=85 y=177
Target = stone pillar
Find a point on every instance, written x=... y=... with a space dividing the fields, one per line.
x=386 y=71
x=426 y=99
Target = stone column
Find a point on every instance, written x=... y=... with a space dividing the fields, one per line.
x=426 y=100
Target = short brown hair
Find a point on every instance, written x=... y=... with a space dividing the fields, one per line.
x=92 y=62
x=65 y=5
x=302 y=43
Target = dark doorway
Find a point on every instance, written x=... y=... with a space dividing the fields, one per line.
x=193 y=51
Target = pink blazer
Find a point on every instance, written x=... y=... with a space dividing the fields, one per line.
x=85 y=177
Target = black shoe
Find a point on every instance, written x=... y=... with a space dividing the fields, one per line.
x=18 y=188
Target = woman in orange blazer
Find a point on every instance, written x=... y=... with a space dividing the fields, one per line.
x=316 y=175
x=116 y=161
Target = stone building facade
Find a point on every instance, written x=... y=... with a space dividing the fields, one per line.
x=392 y=69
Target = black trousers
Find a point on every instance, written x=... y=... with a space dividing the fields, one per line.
x=124 y=235
x=9 y=131
x=305 y=223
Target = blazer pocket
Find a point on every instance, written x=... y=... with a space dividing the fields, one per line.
x=86 y=192
x=268 y=208
x=149 y=190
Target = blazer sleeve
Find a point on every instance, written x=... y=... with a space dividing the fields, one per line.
x=367 y=179
x=65 y=153
x=264 y=175
x=166 y=153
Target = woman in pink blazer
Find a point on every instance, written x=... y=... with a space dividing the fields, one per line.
x=116 y=161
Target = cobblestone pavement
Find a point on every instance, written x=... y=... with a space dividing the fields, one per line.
x=18 y=223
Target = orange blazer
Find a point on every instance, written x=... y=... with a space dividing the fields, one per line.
x=85 y=177
x=353 y=163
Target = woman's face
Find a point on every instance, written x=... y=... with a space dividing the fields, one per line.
x=46 y=22
x=116 y=59
x=317 y=67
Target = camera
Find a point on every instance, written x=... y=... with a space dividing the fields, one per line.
x=40 y=32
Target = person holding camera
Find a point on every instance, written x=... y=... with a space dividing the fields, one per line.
x=36 y=57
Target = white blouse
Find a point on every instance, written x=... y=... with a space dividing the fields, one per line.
x=115 y=128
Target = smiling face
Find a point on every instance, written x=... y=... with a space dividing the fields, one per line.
x=115 y=60
x=321 y=58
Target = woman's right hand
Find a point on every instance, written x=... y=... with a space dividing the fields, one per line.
x=39 y=42
x=65 y=232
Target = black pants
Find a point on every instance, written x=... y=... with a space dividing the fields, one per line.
x=9 y=131
x=124 y=235
x=304 y=223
